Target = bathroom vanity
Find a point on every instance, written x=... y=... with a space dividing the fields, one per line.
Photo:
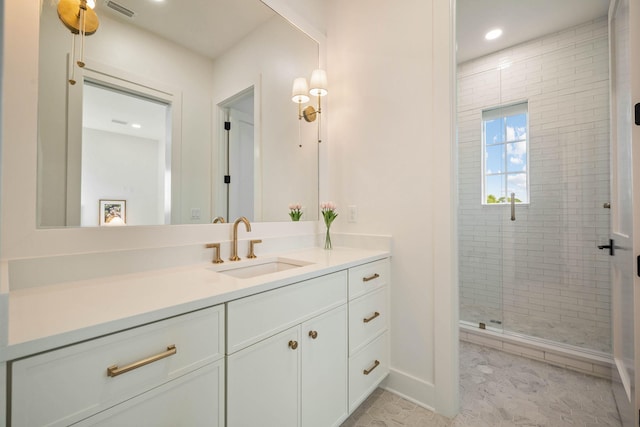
x=295 y=340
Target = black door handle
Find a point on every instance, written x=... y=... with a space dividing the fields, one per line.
x=610 y=246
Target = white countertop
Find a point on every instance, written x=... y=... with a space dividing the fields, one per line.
x=44 y=318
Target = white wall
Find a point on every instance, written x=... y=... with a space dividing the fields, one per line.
x=544 y=269
x=286 y=149
x=314 y=11
x=122 y=167
x=391 y=149
x=390 y=104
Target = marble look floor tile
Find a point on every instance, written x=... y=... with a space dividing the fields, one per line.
x=499 y=389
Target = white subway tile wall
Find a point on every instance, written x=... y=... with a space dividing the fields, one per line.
x=542 y=274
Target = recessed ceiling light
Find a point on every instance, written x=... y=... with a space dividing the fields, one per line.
x=493 y=34
x=136 y=125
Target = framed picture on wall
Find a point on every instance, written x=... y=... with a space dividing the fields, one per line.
x=113 y=212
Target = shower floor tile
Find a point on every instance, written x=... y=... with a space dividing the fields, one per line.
x=576 y=333
x=498 y=389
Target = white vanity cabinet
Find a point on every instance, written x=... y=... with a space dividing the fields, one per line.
x=166 y=373
x=293 y=353
x=287 y=364
x=368 y=329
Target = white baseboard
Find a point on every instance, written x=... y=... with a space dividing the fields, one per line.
x=413 y=389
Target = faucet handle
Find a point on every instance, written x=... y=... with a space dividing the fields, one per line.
x=216 y=252
x=251 y=247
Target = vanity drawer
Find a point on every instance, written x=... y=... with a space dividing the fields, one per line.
x=64 y=386
x=194 y=399
x=367 y=369
x=365 y=278
x=368 y=318
x=260 y=316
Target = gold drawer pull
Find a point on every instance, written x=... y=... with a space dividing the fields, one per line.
x=293 y=344
x=313 y=334
x=369 y=319
x=114 y=371
x=366 y=279
x=375 y=365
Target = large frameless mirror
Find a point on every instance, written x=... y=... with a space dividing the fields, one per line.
x=182 y=113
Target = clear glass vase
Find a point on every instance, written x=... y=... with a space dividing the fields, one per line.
x=327 y=240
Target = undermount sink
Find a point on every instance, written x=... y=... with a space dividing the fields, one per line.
x=259 y=267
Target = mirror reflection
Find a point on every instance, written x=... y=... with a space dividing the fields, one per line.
x=184 y=116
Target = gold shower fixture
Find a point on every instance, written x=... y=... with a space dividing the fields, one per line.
x=79 y=18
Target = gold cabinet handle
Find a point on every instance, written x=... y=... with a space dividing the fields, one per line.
x=375 y=365
x=366 y=279
x=293 y=344
x=313 y=334
x=114 y=371
x=369 y=319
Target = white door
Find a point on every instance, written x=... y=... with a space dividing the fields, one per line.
x=324 y=369
x=263 y=382
x=624 y=20
x=241 y=165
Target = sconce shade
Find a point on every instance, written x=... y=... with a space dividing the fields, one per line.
x=318 y=83
x=300 y=90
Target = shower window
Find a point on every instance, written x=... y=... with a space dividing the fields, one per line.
x=505 y=161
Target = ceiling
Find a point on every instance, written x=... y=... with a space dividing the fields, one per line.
x=117 y=112
x=208 y=27
x=521 y=20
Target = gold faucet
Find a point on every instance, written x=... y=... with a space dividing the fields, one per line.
x=218 y=219
x=216 y=252
x=252 y=244
x=234 y=247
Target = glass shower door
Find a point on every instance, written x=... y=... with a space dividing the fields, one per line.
x=555 y=280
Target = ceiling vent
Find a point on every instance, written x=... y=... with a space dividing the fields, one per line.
x=120 y=9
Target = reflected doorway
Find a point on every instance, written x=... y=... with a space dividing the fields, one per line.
x=239 y=154
x=126 y=154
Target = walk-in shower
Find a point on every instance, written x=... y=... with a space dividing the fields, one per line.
x=533 y=172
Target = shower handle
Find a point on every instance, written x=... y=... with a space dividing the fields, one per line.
x=513 y=206
x=610 y=246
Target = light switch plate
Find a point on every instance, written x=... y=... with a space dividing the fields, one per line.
x=353 y=213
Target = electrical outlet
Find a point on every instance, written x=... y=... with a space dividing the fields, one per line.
x=195 y=213
x=353 y=213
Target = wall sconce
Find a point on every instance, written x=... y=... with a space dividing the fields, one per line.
x=301 y=92
x=79 y=18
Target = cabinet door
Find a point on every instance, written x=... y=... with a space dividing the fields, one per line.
x=324 y=369
x=263 y=382
x=195 y=399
